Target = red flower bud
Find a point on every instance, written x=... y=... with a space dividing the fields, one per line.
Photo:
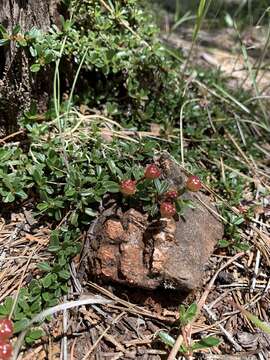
x=152 y=172
x=128 y=187
x=6 y=329
x=172 y=195
x=5 y=350
x=193 y=183
x=167 y=209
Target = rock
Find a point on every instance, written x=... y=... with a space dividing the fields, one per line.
x=126 y=248
x=224 y=277
x=196 y=236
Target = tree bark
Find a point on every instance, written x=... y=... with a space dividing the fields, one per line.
x=18 y=86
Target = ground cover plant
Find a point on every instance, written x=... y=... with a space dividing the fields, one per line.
x=121 y=97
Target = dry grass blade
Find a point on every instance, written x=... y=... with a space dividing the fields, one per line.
x=254 y=319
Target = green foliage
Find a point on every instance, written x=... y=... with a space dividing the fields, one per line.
x=33 y=335
x=232 y=231
x=187 y=315
x=79 y=188
x=135 y=81
x=205 y=343
x=166 y=338
x=122 y=57
x=47 y=290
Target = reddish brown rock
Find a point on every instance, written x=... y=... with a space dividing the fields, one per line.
x=113 y=229
x=169 y=253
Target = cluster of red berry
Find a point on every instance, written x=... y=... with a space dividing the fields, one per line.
x=167 y=207
x=6 y=331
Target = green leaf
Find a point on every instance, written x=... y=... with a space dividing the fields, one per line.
x=223 y=243
x=161 y=186
x=4 y=42
x=16 y=29
x=54 y=248
x=21 y=194
x=62 y=261
x=35 y=68
x=33 y=51
x=186 y=316
x=191 y=311
x=44 y=266
x=6 y=307
x=18 y=314
x=47 y=296
x=166 y=338
x=169 y=341
x=242 y=246
x=33 y=335
x=9 y=198
x=112 y=166
x=42 y=206
x=20 y=325
x=205 y=343
x=256 y=321
x=111 y=186
x=238 y=220
x=48 y=57
x=36 y=306
x=90 y=212
x=64 y=274
x=157 y=183
x=229 y=20
x=52 y=302
x=22 y=42
x=47 y=281
x=24 y=306
x=74 y=218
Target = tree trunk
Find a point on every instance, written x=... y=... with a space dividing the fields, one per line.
x=18 y=86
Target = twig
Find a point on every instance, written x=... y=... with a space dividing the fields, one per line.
x=224 y=331
x=73 y=349
x=175 y=348
x=103 y=334
x=212 y=281
x=3 y=140
x=256 y=270
x=64 y=340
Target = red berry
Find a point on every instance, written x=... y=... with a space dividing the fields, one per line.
x=173 y=195
x=167 y=209
x=6 y=329
x=193 y=183
x=152 y=172
x=128 y=187
x=5 y=350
